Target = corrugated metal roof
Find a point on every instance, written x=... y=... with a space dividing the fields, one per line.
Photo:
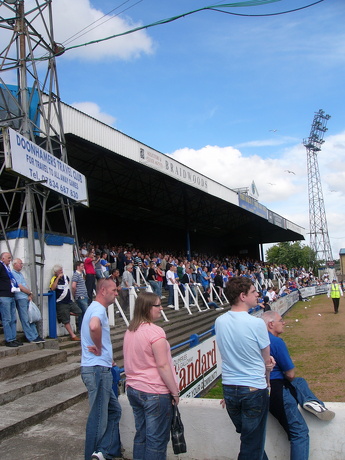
x=88 y=128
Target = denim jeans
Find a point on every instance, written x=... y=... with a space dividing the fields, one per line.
x=171 y=294
x=152 y=415
x=154 y=286
x=29 y=329
x=8 y=316
x=82 y=304
x=192 y=288
x=102 y=427
x=298 y=432
x=159 y=287
x=248 y=411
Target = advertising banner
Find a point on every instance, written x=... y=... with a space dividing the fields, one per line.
x=197 y=367
x=248 y=203
x=276 y=219
x=173 y=168
x=30 y=160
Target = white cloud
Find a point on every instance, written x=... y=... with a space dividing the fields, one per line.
x=283 y=193
x=94 y=110
x=70 y=18
x=73 y=16
x=267 y=142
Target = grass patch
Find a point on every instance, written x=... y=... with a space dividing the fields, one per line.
x=216 y=392
x=316 y=344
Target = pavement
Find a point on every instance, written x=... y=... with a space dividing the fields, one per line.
x=60 y=437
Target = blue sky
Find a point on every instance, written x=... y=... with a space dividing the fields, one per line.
x=229 y=96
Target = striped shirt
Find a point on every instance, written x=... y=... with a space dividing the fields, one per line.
x=81 y=290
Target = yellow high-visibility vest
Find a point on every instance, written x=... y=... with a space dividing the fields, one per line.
x=335 y=291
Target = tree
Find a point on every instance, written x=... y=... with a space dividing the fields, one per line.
x=291 y=255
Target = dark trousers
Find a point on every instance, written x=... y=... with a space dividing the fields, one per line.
x=336 y=304
x=90 y=283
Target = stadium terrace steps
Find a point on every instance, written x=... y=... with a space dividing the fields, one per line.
x=12 y=366
x=39 y=380
x=36 y=407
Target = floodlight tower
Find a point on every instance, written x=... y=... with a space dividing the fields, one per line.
x=31 y=106
x=319 y=238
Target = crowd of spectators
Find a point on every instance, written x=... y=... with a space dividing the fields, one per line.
x=114 y=261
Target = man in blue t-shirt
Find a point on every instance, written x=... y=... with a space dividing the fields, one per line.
x=287 y=391
x=102 y=429
x=243 y=343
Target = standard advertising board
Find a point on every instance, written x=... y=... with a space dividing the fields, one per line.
x=197 y=367
x=30 y=160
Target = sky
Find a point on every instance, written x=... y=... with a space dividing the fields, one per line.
x=231 y=96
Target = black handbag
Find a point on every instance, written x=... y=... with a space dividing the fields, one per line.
x=177 y=432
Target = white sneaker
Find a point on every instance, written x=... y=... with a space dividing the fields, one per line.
x=98 y=456
x=318 y=410
x=163 y=297
x=171 y=306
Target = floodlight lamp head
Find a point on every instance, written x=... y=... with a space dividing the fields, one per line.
x=11 y=2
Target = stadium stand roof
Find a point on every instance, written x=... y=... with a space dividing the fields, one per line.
x=135 y=187
x=140 y=195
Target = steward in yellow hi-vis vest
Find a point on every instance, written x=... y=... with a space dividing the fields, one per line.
x=335 y=291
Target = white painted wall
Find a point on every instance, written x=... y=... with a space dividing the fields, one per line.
x=62 y=255
x=210 y=434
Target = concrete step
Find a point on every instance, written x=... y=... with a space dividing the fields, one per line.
x=36 y=407
x=19 y=364
x=36 y=380
x=51 y=344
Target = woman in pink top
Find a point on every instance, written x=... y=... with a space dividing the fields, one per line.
x=151 y=379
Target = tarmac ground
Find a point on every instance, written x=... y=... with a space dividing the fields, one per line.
x=60 y=437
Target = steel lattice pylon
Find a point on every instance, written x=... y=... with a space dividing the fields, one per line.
x=31 y=107
x=319 y=238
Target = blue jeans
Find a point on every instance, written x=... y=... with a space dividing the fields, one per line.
x=8 y=316
x=29 y=329
x=297 y=429
x=152 y=415
x=159 y=287
x=82 y=304
x=102 y=427
x=248 y=411
x=192 y=288
x=212 y=305
x=171 y=294
x=154 y=286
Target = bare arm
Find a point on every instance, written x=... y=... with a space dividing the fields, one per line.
x=73 y=288
x=160 y=353
x=269 y=362
x=96 y=336
x=290 y=374
x=55 y=283
x=25 y=289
